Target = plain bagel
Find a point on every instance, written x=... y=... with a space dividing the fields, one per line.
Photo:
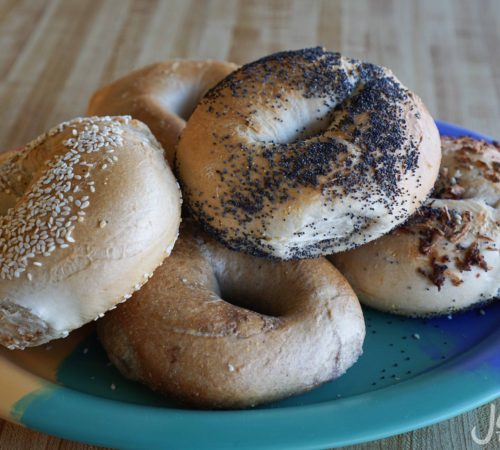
x=447 y=257
x=306 y=153
x=89 y=210
x=161 y=95
x=292 y=326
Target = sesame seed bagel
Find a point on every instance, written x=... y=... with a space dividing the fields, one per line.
x=305 y=153
x=290 y=327
x=446 y=258
x=162 y=95
x=96 y=210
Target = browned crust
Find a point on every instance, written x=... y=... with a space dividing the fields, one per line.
x=181 y=339
x=144 y=94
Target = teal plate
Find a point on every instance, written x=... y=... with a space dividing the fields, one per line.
x=413 y=373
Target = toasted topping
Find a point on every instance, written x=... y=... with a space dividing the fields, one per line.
x=472 y=257
x=435 y=225
x=470 y=157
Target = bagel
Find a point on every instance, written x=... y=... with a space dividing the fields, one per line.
x=446 y=258
x=161 y=95
x=306 y=153
x=96 y=210
x=291 y=326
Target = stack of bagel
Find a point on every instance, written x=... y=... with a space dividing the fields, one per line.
x=278 y=164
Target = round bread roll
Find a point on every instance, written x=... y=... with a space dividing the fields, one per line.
x=306 y=153
x=220 y=329
x=96 y=210
x=162 y=95
x=446 y=258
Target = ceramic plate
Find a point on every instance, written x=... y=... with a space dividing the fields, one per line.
x=413 y=373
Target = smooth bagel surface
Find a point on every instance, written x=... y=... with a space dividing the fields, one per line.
x=292 y=327
x=162 y=95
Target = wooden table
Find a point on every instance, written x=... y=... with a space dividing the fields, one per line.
x=54 y=53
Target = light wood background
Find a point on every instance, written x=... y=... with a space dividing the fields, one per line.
x=54 y=53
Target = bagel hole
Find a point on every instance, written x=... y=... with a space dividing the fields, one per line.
x=302 y=133
x=181 y=102
x=300 y=120
x=245 y=297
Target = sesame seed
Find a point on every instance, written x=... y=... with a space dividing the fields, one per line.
x=35 y=227
x=102 y=223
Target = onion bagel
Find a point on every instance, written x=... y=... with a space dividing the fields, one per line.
x=162 y=95
x=306 y=153
x=447 y=257
x=90 y=209
x=291 y=327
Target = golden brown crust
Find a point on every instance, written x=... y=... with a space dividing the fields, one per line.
x=161 y=95
x=96 y=210
x=296 y=325
x=447 y=256
x=306 y=153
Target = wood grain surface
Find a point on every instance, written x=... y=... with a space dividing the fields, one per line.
x=54 y=53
